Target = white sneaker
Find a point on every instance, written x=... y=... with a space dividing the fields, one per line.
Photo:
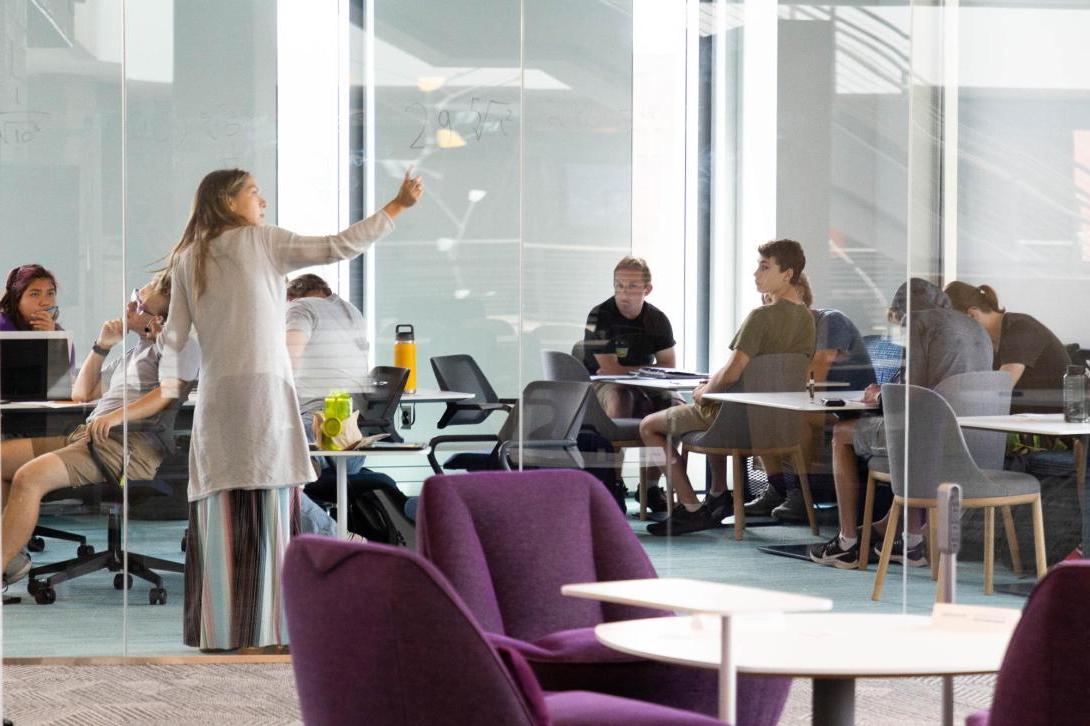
x=353 y=537
x=18 y=568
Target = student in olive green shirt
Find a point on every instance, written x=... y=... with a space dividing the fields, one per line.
x=783 y=326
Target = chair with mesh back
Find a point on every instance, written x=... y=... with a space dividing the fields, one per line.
x=113 y=557
x=541 y=432
x=739 y=430
x=378 y=405
x=620 y=432
x=461 y=373
x=886 y=356
x=936 y=452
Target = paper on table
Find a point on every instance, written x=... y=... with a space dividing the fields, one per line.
x=973 y=618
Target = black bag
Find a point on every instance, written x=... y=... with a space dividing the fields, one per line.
x=368 y=518
x=592 y=442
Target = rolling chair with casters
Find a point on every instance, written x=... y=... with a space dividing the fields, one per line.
x=461 y=373
x=36 y=543
x=551 y=413
x=113 y=557
x=620 y=432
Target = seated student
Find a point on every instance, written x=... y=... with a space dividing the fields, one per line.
x=327 y=344
x=30 y=300
x=1024 y=348
x=783 y=326
x=840 y=356
x=623 y=334
x=33 y=467
x=944 y=343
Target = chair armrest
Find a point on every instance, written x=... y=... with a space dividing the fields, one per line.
x=433 y=445
x=508 y=401
x=108 y=474
x=555 y=444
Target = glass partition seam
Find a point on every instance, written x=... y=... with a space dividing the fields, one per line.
x=370 y=157
x=520 y=321
x=125 y=352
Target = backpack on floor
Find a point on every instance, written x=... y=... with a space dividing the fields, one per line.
x=600 y=465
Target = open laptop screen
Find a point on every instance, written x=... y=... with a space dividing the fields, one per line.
x=35 y=366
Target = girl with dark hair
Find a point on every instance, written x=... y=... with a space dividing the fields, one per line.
x=248 y=457
x=1024 y=348
x=30 y=300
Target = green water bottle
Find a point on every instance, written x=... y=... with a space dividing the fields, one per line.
x=338 y=407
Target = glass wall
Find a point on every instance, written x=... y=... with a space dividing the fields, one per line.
x=554 y=139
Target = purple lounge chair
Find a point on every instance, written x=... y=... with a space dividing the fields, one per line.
x=507 y=541
x=378 y=637
x=1043 y=678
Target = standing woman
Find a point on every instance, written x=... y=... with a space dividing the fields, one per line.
x=1024 y=348
x=248 y=454
x=30 y=300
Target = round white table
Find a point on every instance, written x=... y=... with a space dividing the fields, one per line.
x=833 y=649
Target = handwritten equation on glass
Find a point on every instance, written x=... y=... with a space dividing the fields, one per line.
x=484 y=116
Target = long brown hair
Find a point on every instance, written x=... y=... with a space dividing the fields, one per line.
x=964 y=296
x=18 y=281
x=211 y=217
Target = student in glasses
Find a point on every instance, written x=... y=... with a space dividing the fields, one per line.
x=624 y=333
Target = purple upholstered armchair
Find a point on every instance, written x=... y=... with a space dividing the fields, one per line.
x=1043 y=677
x=379 y=637
x=507 y=541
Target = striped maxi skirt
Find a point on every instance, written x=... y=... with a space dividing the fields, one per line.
x=234 y=553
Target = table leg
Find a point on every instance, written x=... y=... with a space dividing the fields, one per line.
x=342 y=496
x=833 y=702
x=726 y=673
x=1080 y=486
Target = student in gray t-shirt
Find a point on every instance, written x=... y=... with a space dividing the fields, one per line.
x=944 y=343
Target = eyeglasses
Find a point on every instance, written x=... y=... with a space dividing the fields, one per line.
x=630 y=287
x=136 y=303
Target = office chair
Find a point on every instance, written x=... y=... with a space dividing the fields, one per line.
x=547 y=421
x=461 y=373
x=113 y=557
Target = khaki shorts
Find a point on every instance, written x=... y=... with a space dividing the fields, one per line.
x=644 y=402
x=681 y=420
x=144 y=455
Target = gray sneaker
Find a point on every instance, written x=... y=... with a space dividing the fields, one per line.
x=793 y=508
x=763 y=505
x=18 y=568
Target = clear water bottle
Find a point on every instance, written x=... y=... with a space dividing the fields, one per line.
x=1075 y=395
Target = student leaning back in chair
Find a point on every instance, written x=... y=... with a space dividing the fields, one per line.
x=34 y=467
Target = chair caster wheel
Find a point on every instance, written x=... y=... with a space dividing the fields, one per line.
x=33 y=585
x=85 y=550
x=45 y=595
x=122 y=582
x=36 y=544
x=157 y=596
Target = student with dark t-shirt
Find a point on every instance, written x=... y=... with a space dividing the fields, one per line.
x=1024 y=348
x=624 y=333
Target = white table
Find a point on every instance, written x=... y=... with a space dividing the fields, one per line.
x=1049 y=424
x=796 y=400
x=340 y=463
x=833 y=649
x=724 y=601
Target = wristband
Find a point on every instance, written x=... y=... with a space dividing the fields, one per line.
x=96 y=348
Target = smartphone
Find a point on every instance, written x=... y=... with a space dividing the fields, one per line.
x=54 y=311
x=832 y=402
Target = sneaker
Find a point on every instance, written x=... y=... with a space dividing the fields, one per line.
x=833 y=555
x=875 y=538
x=1076 y=554
x=763 y=505
x=916 y=556
x=682 y=521
x=718 y=505
x=357 y=538
x=18 y=568
x=656 y=499
x=793 y=508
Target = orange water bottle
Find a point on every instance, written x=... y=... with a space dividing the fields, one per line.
x=405 y=353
